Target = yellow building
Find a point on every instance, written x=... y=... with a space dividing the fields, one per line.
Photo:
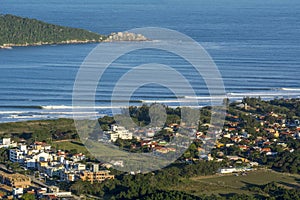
x=43 y=164
x=96 y=176
x=15 y=180
x=219 y=145
x=276 y=134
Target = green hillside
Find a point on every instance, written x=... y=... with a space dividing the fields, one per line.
x=18 y=31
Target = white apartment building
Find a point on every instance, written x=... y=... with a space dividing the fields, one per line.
x=16 y=155
x=119 y=132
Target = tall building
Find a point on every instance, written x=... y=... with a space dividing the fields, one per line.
x=16 y=155
x=95 y=167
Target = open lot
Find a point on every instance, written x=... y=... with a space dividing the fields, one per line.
x=226 y=184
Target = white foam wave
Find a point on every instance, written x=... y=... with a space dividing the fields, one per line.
x=205 y=97
x=171 y=101
x=267 y=94
x=261 y=94
x=69 y=113
x=12 y=112
x=290 y=89
x=63 y=107
x=26 y=117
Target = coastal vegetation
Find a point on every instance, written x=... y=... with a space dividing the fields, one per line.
x=170 y=183
x=43 y=130
x=19 y=31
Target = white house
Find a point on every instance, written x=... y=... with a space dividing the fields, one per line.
x=78 y=157
x=41 y=157
x=17 y=191
x=6 y=143
x=80 y=166
x=23 y=147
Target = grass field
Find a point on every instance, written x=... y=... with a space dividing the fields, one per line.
x=38 y=130
x=69 y=145
x=226 y=184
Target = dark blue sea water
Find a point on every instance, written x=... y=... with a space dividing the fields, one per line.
x=255 y=44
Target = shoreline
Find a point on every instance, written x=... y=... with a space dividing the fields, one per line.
x=10 y=46
x=113 y=37
x=64 y=43
x=36 y=113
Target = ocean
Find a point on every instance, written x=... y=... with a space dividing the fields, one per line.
x=255 y=45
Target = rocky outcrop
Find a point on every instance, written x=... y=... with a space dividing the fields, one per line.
x=125 y=36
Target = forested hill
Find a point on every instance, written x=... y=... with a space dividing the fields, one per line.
x=18 y=31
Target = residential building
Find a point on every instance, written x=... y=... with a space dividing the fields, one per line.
x=31 y=163
x=17 y=191
x=80 y=166
x=67 y=175
x=16 y=155
x=6 y=143
x=119 y=132
x=96 y=176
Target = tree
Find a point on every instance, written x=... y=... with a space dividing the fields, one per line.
x=4 y=155
x=73 y=151
x=28 y=196
x=18 y=30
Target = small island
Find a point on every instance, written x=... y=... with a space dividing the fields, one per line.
x=19 y=31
